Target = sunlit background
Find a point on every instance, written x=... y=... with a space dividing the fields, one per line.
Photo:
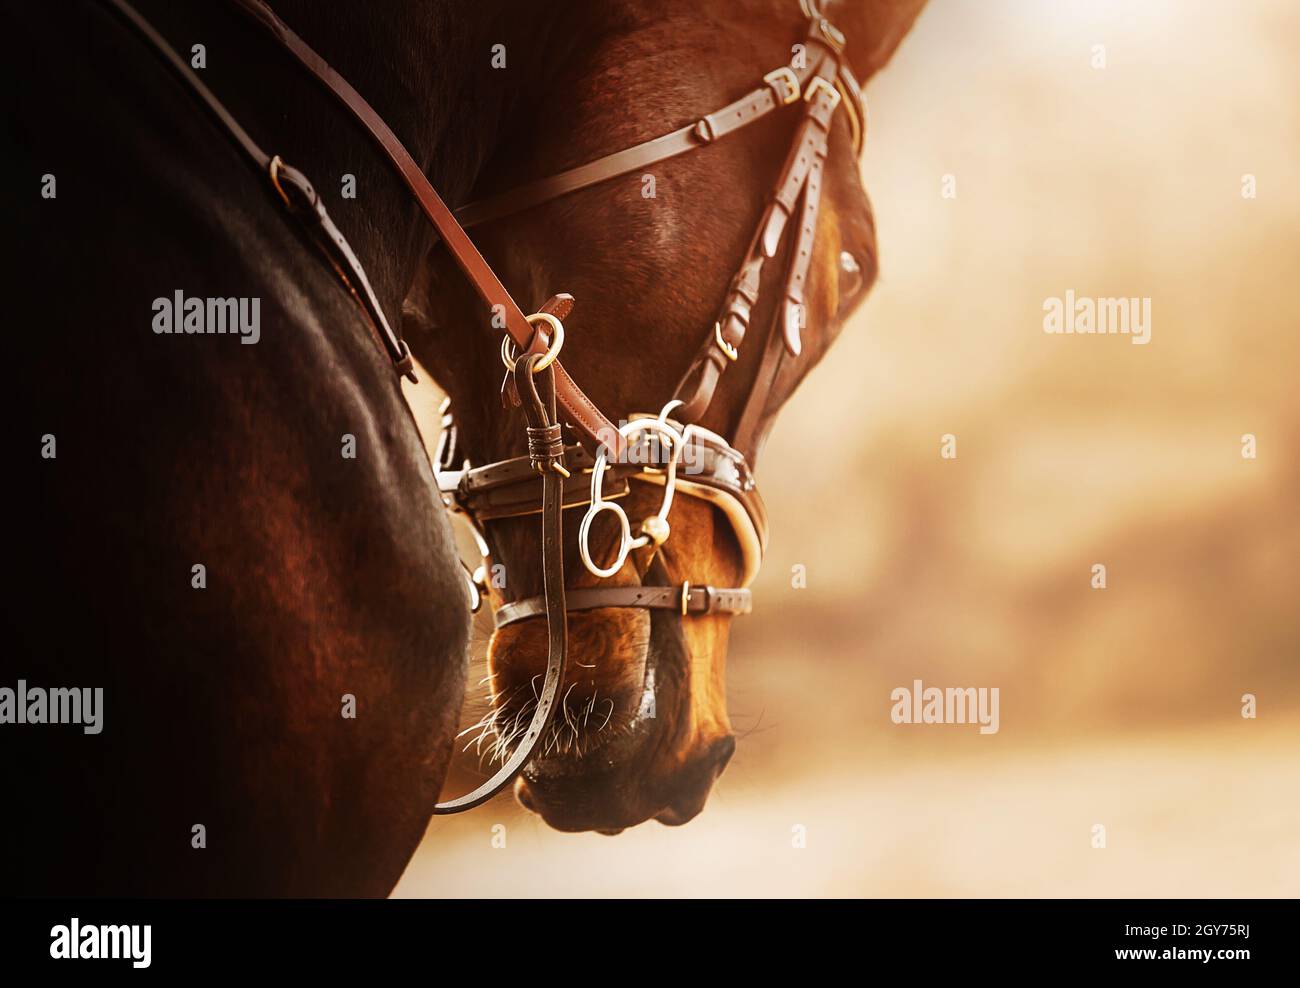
x=1119 y=707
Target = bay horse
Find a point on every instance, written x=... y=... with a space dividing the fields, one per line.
x=245 y=545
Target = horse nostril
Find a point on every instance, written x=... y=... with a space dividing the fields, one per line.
x=693 y=789
x=720 y=753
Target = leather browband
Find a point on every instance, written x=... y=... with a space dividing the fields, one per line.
x=774 y=94
x=699 y=600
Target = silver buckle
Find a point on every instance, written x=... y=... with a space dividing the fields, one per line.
x=818 y=84
x=789 y=91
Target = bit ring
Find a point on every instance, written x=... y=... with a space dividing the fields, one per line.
x=552 y=351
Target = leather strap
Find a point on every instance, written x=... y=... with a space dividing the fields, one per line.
x=794 y=315
x=802 y=167
x=780 y=88
x=791 y=314
x=825 y=81
x=547 y=452
x=580 y=409
x=503 y=489
x=699 y=601
x=307 y=207
x=293 y=190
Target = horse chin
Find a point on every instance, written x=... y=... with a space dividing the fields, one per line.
x=621 y=749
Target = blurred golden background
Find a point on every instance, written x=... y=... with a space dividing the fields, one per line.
x=1119 y=707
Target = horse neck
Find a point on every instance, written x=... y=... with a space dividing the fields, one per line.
x=400 y=57
x=426 y=70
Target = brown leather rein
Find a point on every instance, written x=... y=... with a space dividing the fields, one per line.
x=537 y=382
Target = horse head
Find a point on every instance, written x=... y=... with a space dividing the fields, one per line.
x=707 y=285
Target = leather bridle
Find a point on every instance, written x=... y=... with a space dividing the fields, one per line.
x=605 y=459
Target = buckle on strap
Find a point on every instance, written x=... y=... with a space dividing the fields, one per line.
x=819 y=83
x=404 y=362
x=785 y=85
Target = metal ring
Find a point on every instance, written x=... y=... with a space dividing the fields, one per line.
x=855 y=121
x=625 y=538
x=557 y=338
x=675 y=441
x=663 y=412
x=552 y=351
x=686 y=597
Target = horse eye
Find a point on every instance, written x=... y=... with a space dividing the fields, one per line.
x=850 y=275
